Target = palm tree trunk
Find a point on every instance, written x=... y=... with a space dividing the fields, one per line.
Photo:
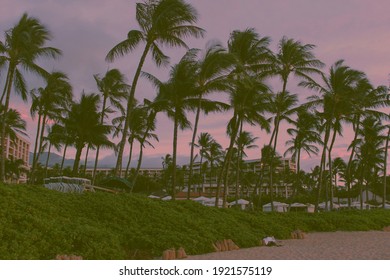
x=118 y=167
x=322 y=165
x=141 y=151
x=47 y=160
x=349 y=165
x=35 y=148
x=98 y=147
x=63 y=157
x=385 y=170
x=193 y=146
x=40 y=149
x=225 y=163
x=77 y=159
x=130 y=155
x=11 y=70
x=239 y=159
x=86 y=159
x=229 y=159
x=330 y=168
x=5 y=88
x=175 y=128
x=201 y=172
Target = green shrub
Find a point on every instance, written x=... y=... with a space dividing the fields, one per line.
x=36 y=223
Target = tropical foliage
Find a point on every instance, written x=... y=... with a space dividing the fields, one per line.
x=233 y=81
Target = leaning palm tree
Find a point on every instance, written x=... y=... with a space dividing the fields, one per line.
x=337 y=93
x=162 y=23
x=211 y=77
x=49 y=103
x=24 y=44
x=148 y=134
x=176 y=97
x=114 y=90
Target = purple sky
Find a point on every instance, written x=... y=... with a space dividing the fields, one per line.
x=354 y=30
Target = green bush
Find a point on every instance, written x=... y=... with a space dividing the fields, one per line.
x=36 y=223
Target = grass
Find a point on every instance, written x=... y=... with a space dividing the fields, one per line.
x=36 y=223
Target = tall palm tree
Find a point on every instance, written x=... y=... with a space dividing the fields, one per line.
x=367 y=101
x=337 y=92
x=49 y=103
x=175 y=97
x=298 y=59
x=114 y=90
x=83 y=123
x=24 y=44
x=370 y=152
x=162 y=23
x=249 y=102
x=247 y=94
x=211 y=72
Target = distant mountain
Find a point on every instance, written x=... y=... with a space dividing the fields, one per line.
x=53 y=159
x=109 y=161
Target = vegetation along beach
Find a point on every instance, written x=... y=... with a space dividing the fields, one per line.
x=171 y=128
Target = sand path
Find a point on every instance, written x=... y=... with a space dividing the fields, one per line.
x=370 y=245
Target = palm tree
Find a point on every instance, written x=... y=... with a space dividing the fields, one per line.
x=292 y=58
x=53 y=138
x=14 y=123
x=244 y=141
x=385 y=168
x=147 y=134
x=49 y=103
x=213 y=155
x=114 y=90
x=24 y=44
x=366 y=100
x=175 y=97
x=247 y=94
x=83 y=123
x=210 y=77
x=203 y=143
x=337 y=93
x=162 y=23
x=370 y=152
x=305 y=137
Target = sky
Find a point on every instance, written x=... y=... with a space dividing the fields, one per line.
x=354 y=30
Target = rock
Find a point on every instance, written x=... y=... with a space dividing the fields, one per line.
x=169 y=254
x=181 y=253
x=297 y=234
x=231 y=245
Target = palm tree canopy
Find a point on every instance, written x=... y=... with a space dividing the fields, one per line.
x=297 y=58
x=14 y=123
x=161 y=23
x=113 y=87
x=23 y=45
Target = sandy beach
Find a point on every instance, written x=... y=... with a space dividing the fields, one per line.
x=370 y=245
